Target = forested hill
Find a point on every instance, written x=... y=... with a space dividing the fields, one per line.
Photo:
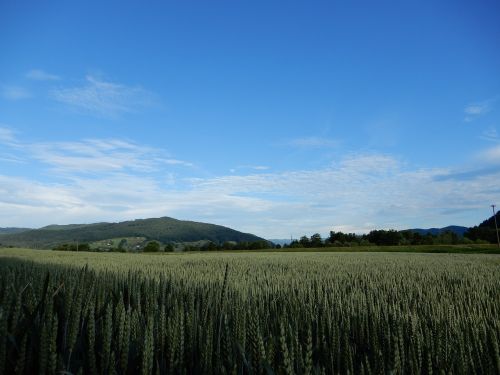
x=163 y=229
x=458 y=230
x=13 y=230
x=486 y=230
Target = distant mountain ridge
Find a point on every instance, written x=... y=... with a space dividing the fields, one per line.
x=280 y=241
x=458 y=230
x=13 y=230
x=164 y=229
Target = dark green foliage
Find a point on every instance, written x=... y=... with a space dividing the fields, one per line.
x=384 y=237
x=152 y=247
x=73 y=247
x=316 y=240
x=122 y=246
x=230 y=245
x=209 y=246
x=305 y=242
x=341 y=238
x=381 y=238
x=235 y=314
x=485 y=231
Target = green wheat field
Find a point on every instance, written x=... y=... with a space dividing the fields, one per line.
x=249 y=313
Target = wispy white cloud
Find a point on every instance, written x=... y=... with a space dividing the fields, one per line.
x=92 y=156
x=176 y=162
x=490 y=134
x=491 y=155
x=475 y=110
x=96 y=180
x=11 y=158
x=250 y=167
x=484 y=163
x=8 y=140
x=15 y=93
x=22 y=192
x=313 y=142
x=7 y=135
x=103 y=98
x=40 y=75
x=357 y=192
x=346 y=195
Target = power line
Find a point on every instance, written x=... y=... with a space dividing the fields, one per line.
x=496 y=225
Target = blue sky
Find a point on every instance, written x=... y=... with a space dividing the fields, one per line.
x=276 y=118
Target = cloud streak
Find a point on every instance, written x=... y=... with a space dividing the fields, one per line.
x=491 y=155
x=475 y=110
x=40 y=75
x=15 y=93
x=91 y=156
x=6 y=135
x=313 y=142
x=490 y=134
x=250 y=167
x=112 y=179
x=103 y=98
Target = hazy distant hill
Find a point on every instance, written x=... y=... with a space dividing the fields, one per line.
x=281 y=241
x=163 y=229
x=436 y=231
x=13 y=230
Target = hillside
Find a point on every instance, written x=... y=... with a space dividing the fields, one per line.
x=13 y=230
x=163 y=229
x=458 y=230
x=485 y=231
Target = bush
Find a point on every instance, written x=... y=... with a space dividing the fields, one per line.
x=152 y=247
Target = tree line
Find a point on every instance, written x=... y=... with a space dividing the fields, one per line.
x=155 y=247
x=382 y=237
x=484 y=233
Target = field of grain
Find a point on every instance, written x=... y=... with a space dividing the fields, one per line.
x=262 y=313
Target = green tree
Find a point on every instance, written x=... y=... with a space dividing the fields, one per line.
x=210 y=246
x=228 y=245
x=304 y=241
x=122 y=245
x=389 y=237
x=316 y=240
x=152 y=247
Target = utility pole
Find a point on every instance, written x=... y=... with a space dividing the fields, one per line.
x=496 y=225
